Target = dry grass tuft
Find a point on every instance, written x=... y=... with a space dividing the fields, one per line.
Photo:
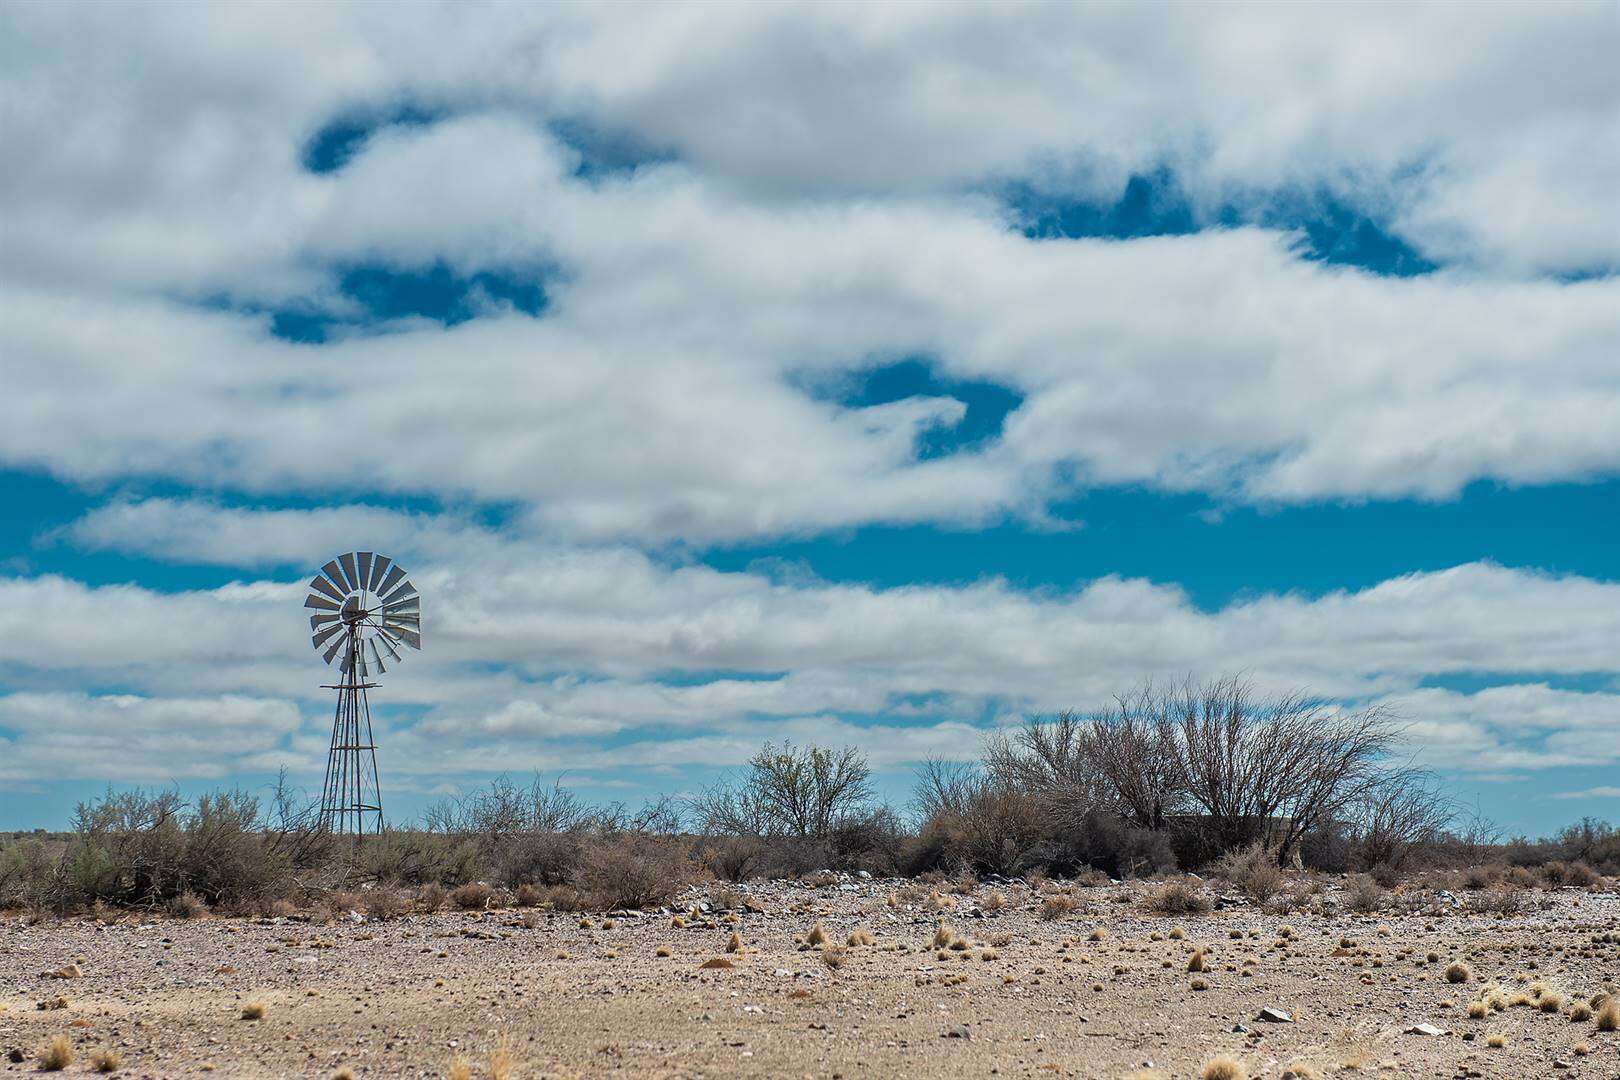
x=943 y=935
x=1056 y=905
x=1299 y=1070
x=106 y=1060
x=861 y=936
x=1457 y=972
x=1478 y=1010
x=1197 y=962
x=1580 y=1012
x=663 y=950
x=1180 y=897
x=473 y=896
x=816 y=936
x=56 y=1054
x=501 y=1063
x=1223 y=1068
x=253 y=1010
x=1496 y=1042
x=1608 y=1016
x=834 y=956
x=735 y=944
x=460 y=1070
x=1097 y=935
x=1550 y=1001
x=1178 y=934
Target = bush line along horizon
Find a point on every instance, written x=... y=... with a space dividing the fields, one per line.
x=1187 y=778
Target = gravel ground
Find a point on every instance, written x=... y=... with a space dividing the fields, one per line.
x=1028 y=997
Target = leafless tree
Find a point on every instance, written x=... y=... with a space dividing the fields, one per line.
x=806 y=793
x=1401 y=811
x=1051 y=760
x=977 y=818
x=1133 y=749
x=1249 y=760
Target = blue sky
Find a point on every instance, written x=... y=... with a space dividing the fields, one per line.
x=726 y=394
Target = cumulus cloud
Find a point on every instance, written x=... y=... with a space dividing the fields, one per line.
x=667 y=394
x=1487 y=135
x=551 y=656
x=139 y=739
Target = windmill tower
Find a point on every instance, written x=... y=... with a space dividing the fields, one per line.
x=365 y=612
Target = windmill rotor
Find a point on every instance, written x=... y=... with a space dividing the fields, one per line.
x=362 y=596
x=364 y=614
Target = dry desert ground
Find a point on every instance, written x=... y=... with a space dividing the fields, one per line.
x=1103 y=990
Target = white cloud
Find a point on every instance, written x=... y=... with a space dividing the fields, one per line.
x=1525 y=726
x=664 y=395
x=1487 y=135
x=536 y=653
x=133 y=739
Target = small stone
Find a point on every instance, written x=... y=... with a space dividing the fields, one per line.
x=1424 y=1029
x=1274 y=1016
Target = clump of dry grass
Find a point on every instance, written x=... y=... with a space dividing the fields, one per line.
x=1097 y=935
x=1478 y=1010
x=56 y=1055
x=343 y=1074
x=1199 y=984
x=473 y=896
x=861 y=936
x=527 y=895
x=383 y=904
x=1496 y=1041
x=1056 y=905
x=735 y=943
x=460 y=1069
x=834 y=956
x=106 y=1060
x=500 y=1062
x=1299 y=1070
x=943 y=935
x=1223 y=1068
x=1197 y=962
x=816 y=936
x=188 y=905
x=253 y=1010
x=993 y=902
x=1608 y=1016
x=1178 y=934
x=1180 y=897
x=1457 y=972
x=1551 y=1001
x=663 y=950
x=430 y=897
x=1580 y=1012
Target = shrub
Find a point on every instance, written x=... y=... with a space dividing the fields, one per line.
x=382 y=904
x=1457 y=972
x=527 y=896
x=1253 y=870
x=431 y=896
x=1056 y=905
x=634 y=871
x=188 y=905
x=473 y=896
x=1180 y=896
x=1365 y=895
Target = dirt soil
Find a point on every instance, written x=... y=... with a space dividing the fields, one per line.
x=1028 y=997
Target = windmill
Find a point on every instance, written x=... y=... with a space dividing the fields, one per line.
x=365 y=612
